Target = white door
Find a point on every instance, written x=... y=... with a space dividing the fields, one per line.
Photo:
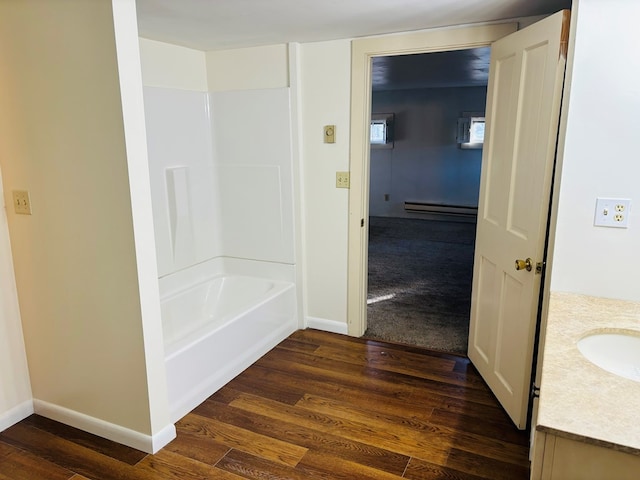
x=523 y=110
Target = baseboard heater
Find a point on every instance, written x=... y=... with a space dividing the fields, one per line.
x=435 y=208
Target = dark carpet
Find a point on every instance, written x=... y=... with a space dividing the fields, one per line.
x=420 y=274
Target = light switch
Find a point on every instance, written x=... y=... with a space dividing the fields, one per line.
x=21 y=202
x=329 y=134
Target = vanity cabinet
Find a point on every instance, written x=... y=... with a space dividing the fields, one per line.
x=559 y=458
x=587 y=423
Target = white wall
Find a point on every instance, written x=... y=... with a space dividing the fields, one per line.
x=15 y=387
x=73 y=135
x=131 y=100
x=248 y=68
x=600 y=155
x=171 y=66
x=325 y=72
x=425 y=163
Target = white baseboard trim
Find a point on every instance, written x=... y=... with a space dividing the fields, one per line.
x=110 y=431
x=327 y=325
x=163 y=437
x=15 y=414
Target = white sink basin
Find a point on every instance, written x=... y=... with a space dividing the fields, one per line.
x=615 y=352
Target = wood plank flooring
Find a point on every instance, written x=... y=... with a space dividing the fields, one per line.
x=318 y=406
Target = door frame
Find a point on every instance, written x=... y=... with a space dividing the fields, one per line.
x=362 y=52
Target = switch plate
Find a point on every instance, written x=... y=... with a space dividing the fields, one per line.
x=329 y=134
x=21 y=202
x=612 y=212
x=342 y=180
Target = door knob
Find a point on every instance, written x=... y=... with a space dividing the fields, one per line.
x=524 y=264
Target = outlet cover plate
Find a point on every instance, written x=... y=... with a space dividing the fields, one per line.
x=612 y=212
x=342 y=180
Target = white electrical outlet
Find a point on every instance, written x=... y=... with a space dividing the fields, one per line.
x=612 y=212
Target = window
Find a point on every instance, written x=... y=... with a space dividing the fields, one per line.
x=381 y=133
x=471 y=130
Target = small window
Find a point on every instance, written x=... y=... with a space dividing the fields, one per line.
x=381 y=133
x=471 y=130
x=476 y=130
x=378 y=132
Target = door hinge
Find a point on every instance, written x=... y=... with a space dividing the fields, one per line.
x=535 y=391
x=362 y=222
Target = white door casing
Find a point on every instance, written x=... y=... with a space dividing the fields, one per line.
x=523 y=110
x=362 y=52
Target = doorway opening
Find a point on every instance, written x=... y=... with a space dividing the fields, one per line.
x=363 y=52
x=424 y=181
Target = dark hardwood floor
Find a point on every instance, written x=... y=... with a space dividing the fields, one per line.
x=319 y=405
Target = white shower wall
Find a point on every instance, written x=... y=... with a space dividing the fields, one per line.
x=221 y=175
x=185 y=203
x=253 y=169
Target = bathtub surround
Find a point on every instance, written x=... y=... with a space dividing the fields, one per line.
x=185 y=205
x=221 y=173
x=182 y=237
x=254 y=173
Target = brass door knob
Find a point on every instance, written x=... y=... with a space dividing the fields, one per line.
x=524 y=264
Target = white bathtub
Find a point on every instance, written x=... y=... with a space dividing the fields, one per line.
x=216 y=328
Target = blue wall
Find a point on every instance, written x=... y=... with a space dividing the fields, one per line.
x=425 y=164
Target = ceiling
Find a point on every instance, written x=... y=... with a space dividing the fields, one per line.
x=459 y=68
x=227 y=24
x=224 y=24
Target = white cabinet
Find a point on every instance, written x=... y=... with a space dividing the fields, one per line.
x=559 y=458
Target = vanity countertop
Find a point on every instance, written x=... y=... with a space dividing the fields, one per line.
x=579 y=400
